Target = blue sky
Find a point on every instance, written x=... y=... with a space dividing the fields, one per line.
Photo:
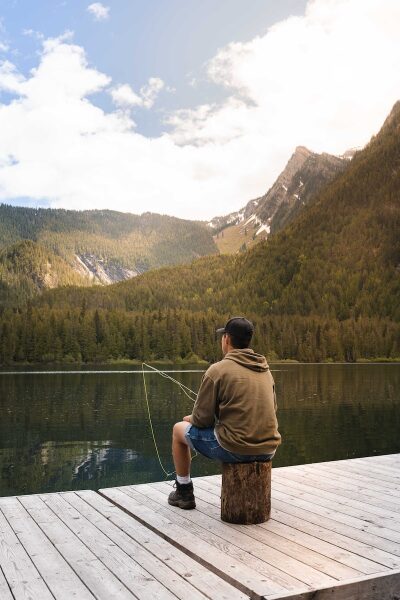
x=170 y=39
x=184 y=107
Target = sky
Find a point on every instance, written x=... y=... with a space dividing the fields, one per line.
x=184 y=107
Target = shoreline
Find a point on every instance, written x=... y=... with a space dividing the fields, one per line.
x=183 y=362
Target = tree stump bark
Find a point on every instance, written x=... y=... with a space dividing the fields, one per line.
x=246 y=492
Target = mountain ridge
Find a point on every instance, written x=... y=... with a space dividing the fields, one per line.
x=102 y=247
x=304 y=176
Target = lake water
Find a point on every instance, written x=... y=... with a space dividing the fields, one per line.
x=66 y=430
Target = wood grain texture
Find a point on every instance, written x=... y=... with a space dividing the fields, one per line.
x=381 y=587
x=246 y=493
x=333 y=534
x=173 y=561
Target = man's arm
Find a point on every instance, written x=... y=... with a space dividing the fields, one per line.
x=203 y=414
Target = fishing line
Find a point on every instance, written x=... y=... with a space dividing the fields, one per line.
x=183 y=388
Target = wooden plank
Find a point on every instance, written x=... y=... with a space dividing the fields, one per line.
x=364 y=543
x=370 y=493
x=388 y=458
x=5 y=592
x=347 y=537
x=329 y=544
x=387 y=495
x=271 y=537
x=102 y=583
x=179 y=587
x=323 y=516
x=172 y=559
x=359 y=555
x=214 y=536
x=339 y=487
x=386 y=472
x=336 y=489
x=385 y=586
x=372 y=461
x=135 y=578
x=228 y=561
x=342 y=471
x=389 y=554
x=303 y=488
x=344 y=513
x=391 y=470
x=213 y=482
x=314 y=513
x=373 y=475
x=376 y=473
x=20 y=572
x=269 y=554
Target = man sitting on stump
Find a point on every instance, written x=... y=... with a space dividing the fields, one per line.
x=234 y=416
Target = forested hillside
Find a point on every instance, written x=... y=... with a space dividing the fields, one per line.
x=325 y=288
x=27 y=268
x=98 y=246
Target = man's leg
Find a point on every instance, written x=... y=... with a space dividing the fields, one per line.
x=181 y=450
x=183 y=496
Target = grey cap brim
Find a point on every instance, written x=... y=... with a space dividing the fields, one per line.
x=220 y=331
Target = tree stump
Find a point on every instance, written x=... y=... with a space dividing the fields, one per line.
x=246 y=492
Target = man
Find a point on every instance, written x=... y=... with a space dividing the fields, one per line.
x=234 y=416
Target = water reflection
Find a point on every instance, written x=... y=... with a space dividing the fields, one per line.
x=89 y=430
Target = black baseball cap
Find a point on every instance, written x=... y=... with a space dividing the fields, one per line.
x=239 y=327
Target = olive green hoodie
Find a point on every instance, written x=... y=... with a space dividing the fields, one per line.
x=237 y=395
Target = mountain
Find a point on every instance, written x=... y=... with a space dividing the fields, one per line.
x=304 y=176
x=327 y=287
x=94 y=246
x=27 y=268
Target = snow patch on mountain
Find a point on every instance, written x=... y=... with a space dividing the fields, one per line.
x=265 y=228
x=250 y=219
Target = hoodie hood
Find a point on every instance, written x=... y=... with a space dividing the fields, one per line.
x=246 y=357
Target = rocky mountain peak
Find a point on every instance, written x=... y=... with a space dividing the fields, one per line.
x=304 y=175
x=392 y=121
x=302 y=151
x=296 y=161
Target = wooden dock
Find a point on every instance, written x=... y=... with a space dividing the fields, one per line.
x=334 y=533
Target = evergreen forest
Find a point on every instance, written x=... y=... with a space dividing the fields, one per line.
x=47 y=248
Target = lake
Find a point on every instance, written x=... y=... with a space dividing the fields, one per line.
x=90 y=429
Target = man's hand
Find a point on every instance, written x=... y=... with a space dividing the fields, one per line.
x=188 y=418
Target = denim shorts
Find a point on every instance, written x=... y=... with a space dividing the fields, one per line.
x=204 y=441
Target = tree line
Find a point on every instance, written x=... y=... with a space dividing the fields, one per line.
x=87 y=336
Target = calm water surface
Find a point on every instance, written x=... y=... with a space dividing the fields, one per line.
x=65 y=430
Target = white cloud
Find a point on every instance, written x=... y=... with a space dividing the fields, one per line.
x=326 y=80
x=123 y=95
x=32 y=33
x=10 y=79
x=99 y=11
x=150 y=91
x=4 y=46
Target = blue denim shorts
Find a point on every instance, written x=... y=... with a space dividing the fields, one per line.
x=204 y=441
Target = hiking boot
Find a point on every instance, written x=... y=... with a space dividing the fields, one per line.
x=183 y=496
